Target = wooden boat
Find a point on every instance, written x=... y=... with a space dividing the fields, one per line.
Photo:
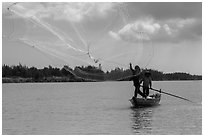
x=152 y=100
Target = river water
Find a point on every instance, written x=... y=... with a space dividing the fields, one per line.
x=99 y=108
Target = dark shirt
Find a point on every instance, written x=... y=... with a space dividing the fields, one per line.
x=147 y=82
x=136 y=79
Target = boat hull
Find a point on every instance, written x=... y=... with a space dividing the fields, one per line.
x=148 y=102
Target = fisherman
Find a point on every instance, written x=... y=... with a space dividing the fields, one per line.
x=147 y=83
x=136 y=80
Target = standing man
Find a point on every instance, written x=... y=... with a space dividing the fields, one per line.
x=147 y=83
x=136 y=80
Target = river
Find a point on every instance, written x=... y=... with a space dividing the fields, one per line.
x=99 y=108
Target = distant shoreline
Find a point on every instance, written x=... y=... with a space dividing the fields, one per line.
x=24 y=74
x=59 y=80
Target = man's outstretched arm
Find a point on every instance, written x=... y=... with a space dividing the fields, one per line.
x=131 y=67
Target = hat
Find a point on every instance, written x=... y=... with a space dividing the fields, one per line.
x=147 y=73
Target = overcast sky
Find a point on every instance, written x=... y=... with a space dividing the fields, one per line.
x=162 y=36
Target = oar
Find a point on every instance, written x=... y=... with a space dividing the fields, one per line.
x=171 y=94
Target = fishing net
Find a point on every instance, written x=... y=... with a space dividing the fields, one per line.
x=103 y=35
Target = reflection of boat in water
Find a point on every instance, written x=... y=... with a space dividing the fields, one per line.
x=142 y=120
x=152 y=100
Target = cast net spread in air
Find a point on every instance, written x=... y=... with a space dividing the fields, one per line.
x=104 y=35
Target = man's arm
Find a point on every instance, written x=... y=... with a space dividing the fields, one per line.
x=131 y=67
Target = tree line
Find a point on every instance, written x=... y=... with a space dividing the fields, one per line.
x=20 y=73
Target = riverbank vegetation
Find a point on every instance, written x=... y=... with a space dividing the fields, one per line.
x=20 y=74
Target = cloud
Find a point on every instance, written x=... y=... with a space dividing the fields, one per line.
x=141 y=29
x=70 y=11
x=180 y=29
x=182 y=22
x=114 y=35
x=179 y=21
x=160 y=22
x=170 y=30
x=147 y=25
x=167 y=29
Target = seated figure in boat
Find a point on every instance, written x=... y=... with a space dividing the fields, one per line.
x=147 y=83
x=136 y=80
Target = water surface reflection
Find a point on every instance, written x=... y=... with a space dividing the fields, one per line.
x=142 y=120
